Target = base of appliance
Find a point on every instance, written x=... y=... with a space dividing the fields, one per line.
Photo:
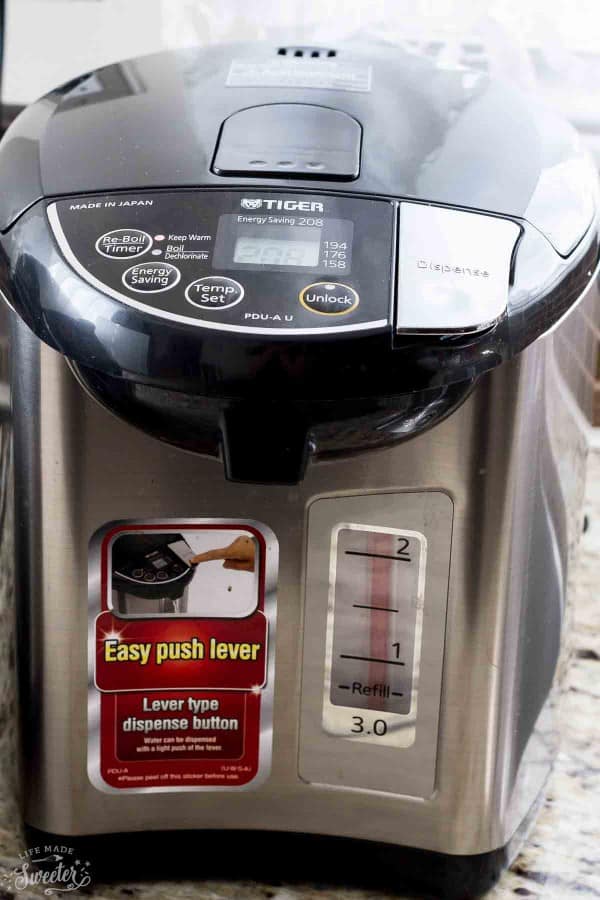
x=277 y=857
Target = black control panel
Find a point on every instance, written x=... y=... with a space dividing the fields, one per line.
x=236 y=260
x=159 y=565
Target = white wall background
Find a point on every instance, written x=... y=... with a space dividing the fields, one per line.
x=215 y=591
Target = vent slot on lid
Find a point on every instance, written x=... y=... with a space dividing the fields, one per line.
x=307 y=52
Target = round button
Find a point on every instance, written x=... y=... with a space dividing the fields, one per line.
x=214 y=292
x=329 y=298
x=149 y=576
x=162 y=576
x=151 y=277
x=123 y=243
x=137 y=573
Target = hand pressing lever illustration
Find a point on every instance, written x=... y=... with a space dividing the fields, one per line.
x=239 y=555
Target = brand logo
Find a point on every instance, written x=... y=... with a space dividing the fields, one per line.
x=56 y=868
x=288 y=205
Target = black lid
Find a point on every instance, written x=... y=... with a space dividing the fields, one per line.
x=446 y=136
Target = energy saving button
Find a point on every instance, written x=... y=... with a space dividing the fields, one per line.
x=214 y=292
x=329 y=298
x=123 y=243
x=151 y=277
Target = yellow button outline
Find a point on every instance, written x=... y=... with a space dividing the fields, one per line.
x=318 y=312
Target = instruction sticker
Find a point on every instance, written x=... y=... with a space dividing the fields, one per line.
x=182 y=626
x=322 y=74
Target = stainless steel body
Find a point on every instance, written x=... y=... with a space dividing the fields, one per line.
x=510 y=460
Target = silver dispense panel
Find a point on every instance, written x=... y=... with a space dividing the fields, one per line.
x=454 y=269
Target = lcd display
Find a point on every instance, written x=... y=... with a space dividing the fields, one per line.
x=258 y=242
x=265 y=251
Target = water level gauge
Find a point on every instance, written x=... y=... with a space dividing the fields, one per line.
x=374 y=633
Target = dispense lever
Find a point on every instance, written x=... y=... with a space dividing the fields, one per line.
x=264 y=445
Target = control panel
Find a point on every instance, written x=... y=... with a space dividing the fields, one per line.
x=159 y=566
x=253 y=261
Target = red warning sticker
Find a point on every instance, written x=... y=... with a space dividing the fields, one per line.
x=182 y=650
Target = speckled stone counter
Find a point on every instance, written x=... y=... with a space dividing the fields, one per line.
x=559 y=861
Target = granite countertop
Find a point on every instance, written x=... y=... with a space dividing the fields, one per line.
x=559 y=861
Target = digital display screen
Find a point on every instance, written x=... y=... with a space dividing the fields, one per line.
x=260 y=251
x=160 y=562
x=293 y=246
x=263 y=242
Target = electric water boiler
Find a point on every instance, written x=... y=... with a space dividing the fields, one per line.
x=151 y=573
x=297 y=308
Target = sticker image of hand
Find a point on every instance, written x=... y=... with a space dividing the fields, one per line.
x=239 y=555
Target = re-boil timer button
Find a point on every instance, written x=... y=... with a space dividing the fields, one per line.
x=329 y=298
x=214 y=292
x=123 y=243
x=151 y=277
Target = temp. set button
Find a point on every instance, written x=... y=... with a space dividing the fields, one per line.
x=329 y=298
x=123 y=243
x=214 y=292
x=151 y=277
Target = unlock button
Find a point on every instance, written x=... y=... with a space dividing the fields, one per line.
x=329 y=298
